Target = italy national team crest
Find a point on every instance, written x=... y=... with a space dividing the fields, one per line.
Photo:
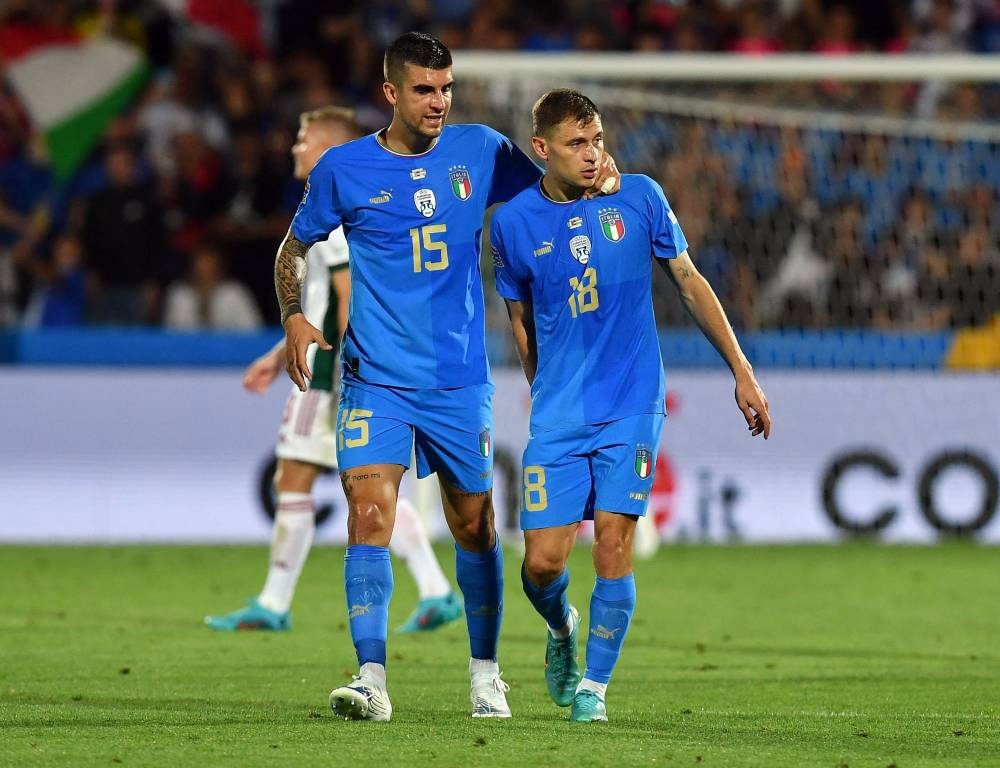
x=643 y=462
x=612 y=224
x=485 y=443
x=579 y=246
x=425 y=202
x=461 y=184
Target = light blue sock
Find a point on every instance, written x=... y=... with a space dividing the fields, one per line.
x=550 y=601
x=368 y=584
x=611 y=607
x=480 y=577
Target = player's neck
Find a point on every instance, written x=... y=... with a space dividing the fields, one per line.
x=397 y=138
x=559 y=192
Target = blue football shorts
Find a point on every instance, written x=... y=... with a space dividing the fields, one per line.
x=449 y=430
x=568 y=473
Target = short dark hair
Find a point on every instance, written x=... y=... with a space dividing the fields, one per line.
x=416 y=48
x=559 y=104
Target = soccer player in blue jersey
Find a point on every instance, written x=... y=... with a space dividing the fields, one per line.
x=576 y=275
x=411 y=199
x=307 y=440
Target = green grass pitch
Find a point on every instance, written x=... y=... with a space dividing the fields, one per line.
x=850 y=656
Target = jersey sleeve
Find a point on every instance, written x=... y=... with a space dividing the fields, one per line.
x=318 y=214
x=509 y=284
x=665 y=231
x=334 y=251
x=513 y=171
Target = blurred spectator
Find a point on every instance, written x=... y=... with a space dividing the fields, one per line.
x=791 y=271
x=548 y=28
x=209 y=300
x=974 y=289
x=61 y=297
x=851 y=290
x=124 y=242
x=933 y=286
x=753 y=35
x=256 y=216
x=197 y=195
x=180 y=104
x=900 y=253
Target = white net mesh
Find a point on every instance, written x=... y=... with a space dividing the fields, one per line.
x=824 y=202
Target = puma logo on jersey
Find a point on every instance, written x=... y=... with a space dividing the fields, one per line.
x=382 y=197
x=547 y=246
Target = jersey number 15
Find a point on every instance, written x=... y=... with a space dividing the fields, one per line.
x=424 y=244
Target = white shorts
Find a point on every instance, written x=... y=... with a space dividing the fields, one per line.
x=308 y=428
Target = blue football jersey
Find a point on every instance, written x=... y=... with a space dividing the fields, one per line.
x=586 y=266
x=414 y=227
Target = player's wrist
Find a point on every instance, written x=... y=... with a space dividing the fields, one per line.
x=290 y=311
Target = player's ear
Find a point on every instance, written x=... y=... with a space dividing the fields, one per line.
x=390 y=92
x=541 y=148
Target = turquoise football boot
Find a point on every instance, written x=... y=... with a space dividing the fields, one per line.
x=562 y=671
x=253 y=616
x=431 y=613
x=588 y=707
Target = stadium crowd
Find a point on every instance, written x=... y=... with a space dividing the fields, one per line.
x=176 y=217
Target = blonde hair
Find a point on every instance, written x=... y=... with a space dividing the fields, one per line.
x=343 y=116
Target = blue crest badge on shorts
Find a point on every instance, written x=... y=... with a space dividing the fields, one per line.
x=485 y=443
x=643 y=462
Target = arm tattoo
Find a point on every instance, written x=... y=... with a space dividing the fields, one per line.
x=289 y=268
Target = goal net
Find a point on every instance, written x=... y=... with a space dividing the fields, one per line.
x=816 y=193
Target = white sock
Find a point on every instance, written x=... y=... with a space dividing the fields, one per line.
x=374 y=673
x=410 y=544
x=564 y=631
x=291 y=538
x=589 y=685
x=483 y=667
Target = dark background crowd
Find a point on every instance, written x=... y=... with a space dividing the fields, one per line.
x=190 y=190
